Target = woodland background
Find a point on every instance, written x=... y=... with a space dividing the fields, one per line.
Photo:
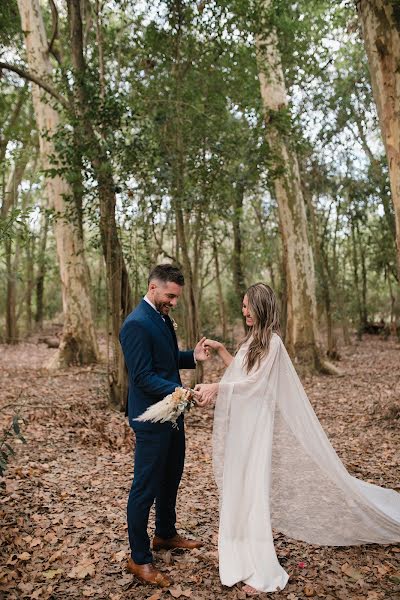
x=243 y=141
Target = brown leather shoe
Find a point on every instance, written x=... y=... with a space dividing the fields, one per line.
x=175 y=542
x=148 y=573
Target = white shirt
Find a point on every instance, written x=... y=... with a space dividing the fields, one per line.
x=152 y=306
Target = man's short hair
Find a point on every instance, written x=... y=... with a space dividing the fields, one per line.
x=167 y=273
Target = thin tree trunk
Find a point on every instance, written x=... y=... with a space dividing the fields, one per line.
x=237 y=261
x=178 y=192
x=364 y=283
x=78 y=343
x=221 y=301
x=302 y=327
x=381 y=30
x=119 y=297
x=29 y=257
x=283 y=299
x=262 y=223
x=356 y=278
x=321 y=260
x=12 y=248
x=41 y=272
x=11 y=294
x=394 y=327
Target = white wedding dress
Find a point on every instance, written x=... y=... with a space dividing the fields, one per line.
x=275 y=467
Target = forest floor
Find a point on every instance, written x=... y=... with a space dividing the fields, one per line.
x=63 y=533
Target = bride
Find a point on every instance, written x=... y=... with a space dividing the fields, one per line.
x=274 y=465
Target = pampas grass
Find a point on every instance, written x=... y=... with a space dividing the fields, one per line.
x=169 y=408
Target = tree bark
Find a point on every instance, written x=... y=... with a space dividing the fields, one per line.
x=237 y=261
x=29 y=258
x=78 y=343
x=11 y=252
x=119 y=296
x=301 y=327
x=192 y=320
x=322 y=265
x=380 y=21
x=221 y=301
x=41 y=272
x=364 y=283
x=356 y=278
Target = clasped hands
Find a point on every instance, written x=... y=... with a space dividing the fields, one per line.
x=205 y=393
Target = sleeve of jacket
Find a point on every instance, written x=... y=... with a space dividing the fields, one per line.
x=137 y=349
x=186 y=359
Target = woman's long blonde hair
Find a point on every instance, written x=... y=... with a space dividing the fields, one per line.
x=265 y=314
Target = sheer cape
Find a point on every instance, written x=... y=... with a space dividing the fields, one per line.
x=275 y=467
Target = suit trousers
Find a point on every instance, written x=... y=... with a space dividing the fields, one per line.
x=159 y=460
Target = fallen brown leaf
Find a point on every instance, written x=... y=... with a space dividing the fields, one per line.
x=24 y=556
x=351 y=572
x=51 y=573
x=155 y=596
x=82 y=570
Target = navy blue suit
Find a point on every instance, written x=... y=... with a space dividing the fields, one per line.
x=153 y=360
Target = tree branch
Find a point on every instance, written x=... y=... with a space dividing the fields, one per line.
x=54 y=33
x=38 y=81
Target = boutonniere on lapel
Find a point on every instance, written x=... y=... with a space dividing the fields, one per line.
x=174 y=323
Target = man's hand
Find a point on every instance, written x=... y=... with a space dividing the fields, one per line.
x=201 y=353
x=188 y=393
x=206 y=393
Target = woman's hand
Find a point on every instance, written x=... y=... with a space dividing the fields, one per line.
x=217 y=346
x=205 y=393
x=220 y=348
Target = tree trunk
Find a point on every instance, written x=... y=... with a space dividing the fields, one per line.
x=29 y=257
x=301 y=328
x=191 y=313
x=393 y=326
x=11 y=253
x=364 y=283
x=41 y=272
x=178 y=188
x=356 y=278
x=237 y=266
x=11 y=294
x=119 y=296
x=78 y=343
x=323 y=270
x=221 y=301
x=262 y=222
x=380 y=21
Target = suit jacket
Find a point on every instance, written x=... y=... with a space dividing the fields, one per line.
x=153 y=360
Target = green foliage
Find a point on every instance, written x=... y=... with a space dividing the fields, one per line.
x=15 y=224
x=179 y=116
x=10 y=25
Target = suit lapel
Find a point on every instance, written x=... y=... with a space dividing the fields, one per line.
x=171 y=329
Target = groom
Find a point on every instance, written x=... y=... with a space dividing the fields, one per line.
x=153 y=361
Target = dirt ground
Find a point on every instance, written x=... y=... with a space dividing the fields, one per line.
x=63 y=533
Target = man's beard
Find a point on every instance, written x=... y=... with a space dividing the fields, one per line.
x=161 y=306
